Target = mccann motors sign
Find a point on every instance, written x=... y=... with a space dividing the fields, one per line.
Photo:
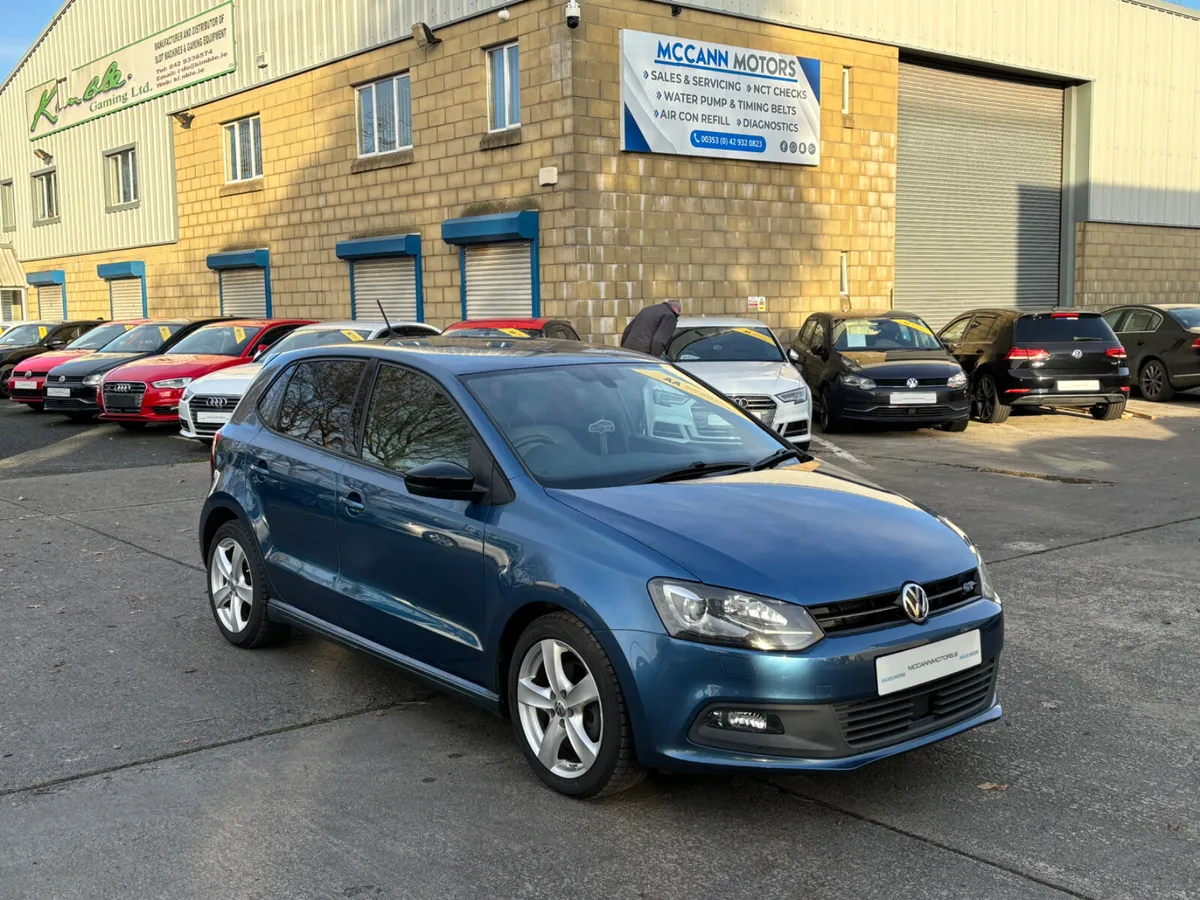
x=192 y=51
x=693 y=98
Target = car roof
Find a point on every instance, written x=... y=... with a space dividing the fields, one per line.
x=1195 y=305
x=362 y=324
x=718 y=322
x=1032 y=311
x=872 y=314
x=504 y=323
x=468 y=355
x=257 y=323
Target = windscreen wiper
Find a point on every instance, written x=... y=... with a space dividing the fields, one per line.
x=698 y=469
x=781 y=455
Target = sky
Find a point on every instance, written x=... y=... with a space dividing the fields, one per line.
x=21 y=21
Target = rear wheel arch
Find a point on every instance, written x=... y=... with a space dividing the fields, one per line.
x=217 y=517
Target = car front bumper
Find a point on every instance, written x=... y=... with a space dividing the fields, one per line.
x=26 y=394
x=793 y=422
x=950 y=405
x=158 y=406
x=826 y=697
x=82 y=400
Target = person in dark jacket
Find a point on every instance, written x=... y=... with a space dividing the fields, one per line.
x=651 y=329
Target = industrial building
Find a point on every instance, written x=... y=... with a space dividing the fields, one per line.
x=451 y=158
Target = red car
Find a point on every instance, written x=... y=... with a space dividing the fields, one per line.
x=559 y=329
x=147 y=391
x=25 y=384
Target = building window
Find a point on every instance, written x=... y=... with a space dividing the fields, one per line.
x=845 y=90
x=45 y=196
x=243 y=149
x=845 y=277
x=385 y=116
x=121 y=178
x=8 y=206
x=505 y=87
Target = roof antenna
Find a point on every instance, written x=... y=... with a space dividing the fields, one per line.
x=386 y=322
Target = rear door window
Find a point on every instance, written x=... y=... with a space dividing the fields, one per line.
x=1052 y=330
x=1113 y=318
x=1141 y=320
x=318 y=400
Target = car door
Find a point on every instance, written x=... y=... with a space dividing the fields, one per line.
x=815 y=356
x=412 y=568
x=1138 y=332
x=975 y=341
x=294 y=474
x=951 y=336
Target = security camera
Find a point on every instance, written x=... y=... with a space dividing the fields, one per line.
x=573 y=13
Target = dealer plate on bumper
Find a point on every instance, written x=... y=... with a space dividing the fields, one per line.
x=25 y=385
x=924 y=398
x=909 y=668
x=58 y=392
x=213 y=418
x=1076 y=386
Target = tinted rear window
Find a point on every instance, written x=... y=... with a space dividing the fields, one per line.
x=1051 y=330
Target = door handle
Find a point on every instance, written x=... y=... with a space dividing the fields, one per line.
x=979 y=352
x=260 y=467
x=353 y=503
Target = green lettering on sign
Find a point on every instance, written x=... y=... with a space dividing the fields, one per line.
x=44 y=109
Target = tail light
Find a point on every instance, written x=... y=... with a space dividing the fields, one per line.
x=1196 y=344
x=1115 y=352
x=1064 y=315
x=1027 y=353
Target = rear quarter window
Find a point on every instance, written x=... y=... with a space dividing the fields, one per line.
x=1028 y=329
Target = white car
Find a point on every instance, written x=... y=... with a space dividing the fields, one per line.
x=742 y=359
x=208 y=402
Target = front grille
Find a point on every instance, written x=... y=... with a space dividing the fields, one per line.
x=887 y=720
x=226 y=405
x=903 y=382
x=758 y=405
x=65 y=380
x=124 y=396
x=884 y=609
x=900 y=412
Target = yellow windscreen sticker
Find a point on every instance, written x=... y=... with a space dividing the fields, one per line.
x=42 y=331
x=165 y=332
x=130 y=327
x=239 y=333
x=755 y=334
x=514 y=332
x=688 y=387
x=915 y=326
x=352 y=335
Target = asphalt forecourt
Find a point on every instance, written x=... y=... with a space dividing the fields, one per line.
x=143 y=756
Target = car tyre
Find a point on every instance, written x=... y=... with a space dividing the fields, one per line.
x=1108 y=412
x=826 y=418
x=988 y=405
x=5 y=374
x=590 y=753
x=237 y=589
x=956 y=426
x=1154 y=383
x=133 y=426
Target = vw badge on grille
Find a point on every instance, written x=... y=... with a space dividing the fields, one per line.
x=915 y=602
x=62 y=378
x=216 y=402
x=1077 y=354
x=912 y=382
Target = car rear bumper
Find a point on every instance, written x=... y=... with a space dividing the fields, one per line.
x=1059 y=398
x=826 y=698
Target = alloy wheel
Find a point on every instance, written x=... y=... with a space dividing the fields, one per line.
x=559 y=708
x=232 y=586
x=987 y=398
x=1152 y=381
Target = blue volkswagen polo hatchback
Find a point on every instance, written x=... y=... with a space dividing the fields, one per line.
x=601 y=548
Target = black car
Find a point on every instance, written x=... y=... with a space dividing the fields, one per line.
x=31 y=338
x=882 y=366
x=1163 y=343
x=1055 y=357
x=71 y=387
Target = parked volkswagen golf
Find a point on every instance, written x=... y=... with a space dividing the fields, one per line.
x=29 y=378
x=497 y=519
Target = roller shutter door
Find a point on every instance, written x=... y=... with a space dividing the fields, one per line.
x=390 y=283
x=244 y=293
x=125 y=298
x=499 y=279
x=10 y=306
x=50 y=302
x=978 y=193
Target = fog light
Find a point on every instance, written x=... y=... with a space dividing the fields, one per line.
x=744 y=720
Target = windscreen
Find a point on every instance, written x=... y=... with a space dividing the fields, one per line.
x=300 y=340
x=587 y=426
x=495 y=332
x=717 y=343
x=1061 y=330
x=884 y=334
x=217 y=340
x=99 y=336
x=1188 y=317
x=23 y=335
x=143 y=338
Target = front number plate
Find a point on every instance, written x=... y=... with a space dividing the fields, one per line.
x=1079 y=385
x=928 y=663
x=25 y=385
x=58 y=392
x=212 y=418
x=922 y=398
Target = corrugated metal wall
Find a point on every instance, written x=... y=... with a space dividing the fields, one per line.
x=1144 y=60
x=294 y=35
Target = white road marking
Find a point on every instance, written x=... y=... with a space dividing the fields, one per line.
x=837 y=451
x=65 y=447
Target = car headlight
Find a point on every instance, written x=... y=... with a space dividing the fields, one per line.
x=957 y=380
x=713 y=615
x=799 y=395
x=92 y=380
x=986 y=588
x=171 y=383
x=858 y=381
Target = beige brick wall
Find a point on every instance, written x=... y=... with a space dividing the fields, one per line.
x=1116 y=264
x=87 y=292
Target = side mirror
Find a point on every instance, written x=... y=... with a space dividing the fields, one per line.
x=442 y=481
x=259 y=351
x=793 y=355
x=949 y=347
x=55 y=344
